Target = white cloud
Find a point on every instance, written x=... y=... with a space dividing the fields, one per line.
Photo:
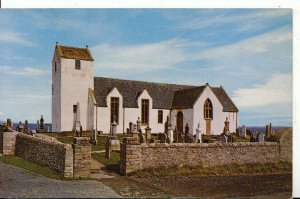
x=144 y=56
x=1 y=113
x=253 y=45
x=244 y=21
x=14 y=37
x=277 y=90
x=24 y=71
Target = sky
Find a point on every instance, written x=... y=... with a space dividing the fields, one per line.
x=247 y=51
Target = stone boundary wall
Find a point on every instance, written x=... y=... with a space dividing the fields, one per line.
x=8 y=142
x=139 y=156
x=54 y=154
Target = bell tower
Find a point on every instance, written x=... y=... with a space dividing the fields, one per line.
x=72 y=78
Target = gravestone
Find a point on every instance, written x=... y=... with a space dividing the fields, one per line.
x=267 y=131
x=113 y=139
x=37 y=125
x=20 y=127
x=170 y=134
x=163 y=138
x=223 y=138
x=260 y=137
x=138 y=123
x=186 y=129
x=166 y=125
x=26 y=128
x=243 y=132
x=148 y=133
x=226 y=125
x=9 y=124
x=253 y=137
x=198 y=134
x=131 y=127
x=270 y=129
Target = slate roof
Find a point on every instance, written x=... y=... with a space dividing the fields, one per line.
x=161 y=94
x=165 y=96
x=69 y=52
x=227 y=103
x=186 y=98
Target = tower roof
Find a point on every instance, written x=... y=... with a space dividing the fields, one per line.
x=70 y=52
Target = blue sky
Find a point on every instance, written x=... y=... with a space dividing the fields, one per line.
x=247 y=51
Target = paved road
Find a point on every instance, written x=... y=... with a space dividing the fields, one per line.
x=16 y=182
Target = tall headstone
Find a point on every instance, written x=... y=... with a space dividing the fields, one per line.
x=223 y=138
x=270 y=130
x=243 y=132
x=170 y=134
x=9 y=124
x=226 y=127
x=267 y=131
x=163 y=138
x=148 y=133
x=130 y=127
x=26 y=128
x=77 y=118
x=198 y=134
x=138 y=123
x=20 y=127
x=186 y=129
x=166 y=125
x=260 y=137
x=42 y=126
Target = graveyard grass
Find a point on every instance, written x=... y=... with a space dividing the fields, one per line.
x=20 y=162
x=225 y=170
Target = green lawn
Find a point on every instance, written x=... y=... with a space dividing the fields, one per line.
x=20 y=162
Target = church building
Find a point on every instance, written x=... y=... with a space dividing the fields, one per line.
x=80 y=99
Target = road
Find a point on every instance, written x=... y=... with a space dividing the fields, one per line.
x=17 y=182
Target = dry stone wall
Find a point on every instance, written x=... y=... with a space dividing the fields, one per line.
x=54 y=154
x=138 y=156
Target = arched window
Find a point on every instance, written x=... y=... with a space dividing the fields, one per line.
x=208 y=110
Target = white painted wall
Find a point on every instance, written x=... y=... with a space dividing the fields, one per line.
x=219 y=117
x=56 y=93
x=187 y=118
x=127 y=115
x=71 y=87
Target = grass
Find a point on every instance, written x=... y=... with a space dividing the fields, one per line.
x=232 y=169
x=20 y=162
x=111 y=163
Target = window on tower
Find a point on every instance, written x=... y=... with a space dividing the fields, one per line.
x=77 y=64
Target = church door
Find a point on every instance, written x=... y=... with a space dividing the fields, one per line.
x=179 y=122
x=208 y=126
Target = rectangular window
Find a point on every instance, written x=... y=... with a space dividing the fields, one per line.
x=52 y=89
x=54 y=66
x=77 y=64
x=114 y=109
x=160 y=116
x=74 y=108
x=145 y=111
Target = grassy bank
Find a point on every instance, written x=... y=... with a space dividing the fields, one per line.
x=20 y=162
x=232 y=169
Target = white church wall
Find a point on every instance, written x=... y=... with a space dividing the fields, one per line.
x=187 y=118
x=74 y=88
x=56 y=93
x=217 y=123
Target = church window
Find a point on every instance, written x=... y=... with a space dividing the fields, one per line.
x=208 y=110
x=114 y=109
x=77 y=64
x=52 y=89
x=145 y=111
x=74 y=108
x=54 y=66
x=160 y=116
